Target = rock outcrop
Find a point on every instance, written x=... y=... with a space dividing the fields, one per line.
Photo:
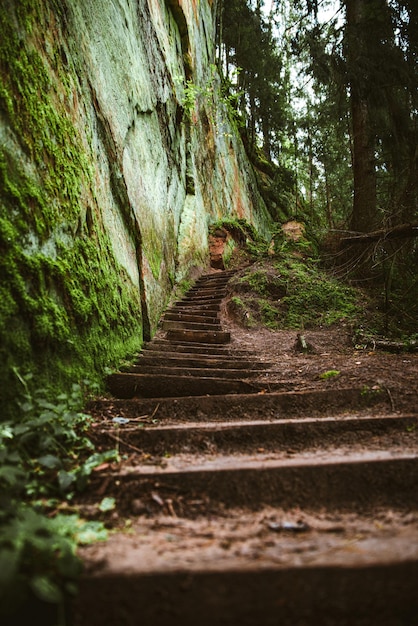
x=116 y=153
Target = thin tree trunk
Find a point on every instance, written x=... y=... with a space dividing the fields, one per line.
x=364 y=215
x=328 y=200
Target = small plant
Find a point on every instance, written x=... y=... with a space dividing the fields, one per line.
x=329 y=374
x=369 y=393
x=44 y=459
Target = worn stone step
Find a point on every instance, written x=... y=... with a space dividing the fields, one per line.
x=344 y=579
x=191 y=317
x=176 y=325
x=287 y=435
x=220 y=285
x=190 y=360
x=349 y=481
x=159 y=385
x=249 y=406
x=209 y=291
x=193 y=307
x=214 y=303
x=200 y=336
x=224 y=275
x=195 y=350
x=200 y=372
x=163 y=345
x=209 y=285
x=201 y=297
x=202 y=313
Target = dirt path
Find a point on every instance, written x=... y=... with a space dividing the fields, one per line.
x=258 y=485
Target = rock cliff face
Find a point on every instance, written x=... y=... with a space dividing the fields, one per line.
x=116 y=153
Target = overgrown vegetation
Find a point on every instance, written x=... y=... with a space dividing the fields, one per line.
x=44 y=460
x=290 y=293
x=286 y=287
x=328 y=98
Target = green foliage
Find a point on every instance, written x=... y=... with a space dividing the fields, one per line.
x=240 y=310
x=239 y=229
x=38 y=556
x=245 y=235
x=44 y=458
x=213 y=92
x=47 y=453
x=294 y=293
x=191 y=92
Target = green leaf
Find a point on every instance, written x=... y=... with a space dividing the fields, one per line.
x=107 y=504
x=89 y=532
x=45 y=404
x=6 y=431
x=46 y=589
x=26 y=407
x=65 y=479
x=50 y=461
x=12 y=475
x=97 y=459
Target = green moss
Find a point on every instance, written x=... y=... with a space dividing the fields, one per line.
x=68 y=310
x=239 y=229
x=67 y=318
x=28 y=98
x=293 y=293
x=329 y=374
x=153 y=251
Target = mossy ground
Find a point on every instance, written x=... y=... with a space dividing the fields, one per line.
x=285 y=287
x=291 y=294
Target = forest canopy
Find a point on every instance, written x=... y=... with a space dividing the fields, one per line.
x=328 y=91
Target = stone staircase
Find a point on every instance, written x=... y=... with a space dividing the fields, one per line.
x=194 y=357
x=242 y=501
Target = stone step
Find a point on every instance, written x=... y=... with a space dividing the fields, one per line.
x=217 y=408
x=216 y=291
x=163 y=345
x=184 y=316
x=166 y=573
x=346 y=480
x=224 y=275
x=200 y=372
x=176 y=325
x=203 y=306
x=208 y=289
x=159 y=385
x=205 y=299
x=286 y=435
x=200 y=336
x=194 y=303
x=189 y=360
x=201 y=313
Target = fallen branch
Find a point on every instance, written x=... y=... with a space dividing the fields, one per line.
x=403 y=231
x=120 y=441
x=386 y=344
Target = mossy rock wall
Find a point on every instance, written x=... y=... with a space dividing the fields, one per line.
x=108 y=181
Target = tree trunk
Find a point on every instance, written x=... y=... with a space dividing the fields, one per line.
x=364 y=215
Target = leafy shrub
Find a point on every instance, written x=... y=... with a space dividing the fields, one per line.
x=44 y=458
